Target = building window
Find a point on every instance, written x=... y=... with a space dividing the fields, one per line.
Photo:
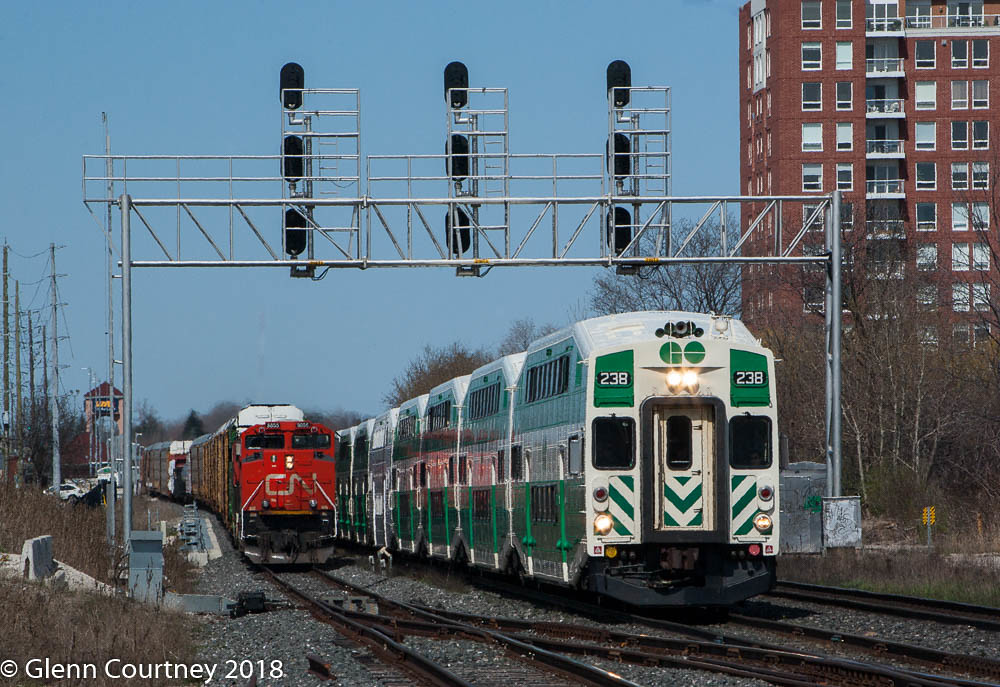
x=927 y=296
x=818 y=222
x=924 y=135
x=980 y=332
x=845 y=58
x=959 y=217
x=959 y=135
x=812 y=177
x=980 y=94
x=845 y=136
x=926 y=176
x=812 y=56
x=812 y=137
x=927 y=257
x=980 y=135
x=813 y=299
x=843 y=14
x=846 y=216
x=845 y=176
x=959 y=176
x=980 y=53
x=926 y=216
x=960 y=333
x=981 y=175
x=845 y=95
x=926 y=95
x=769 y=96
x=981 y=216
x=924 y=53
x=959 y=95
x=812 y=17
x=981 y=297
x=959 y=53
x=980 y=257
x=812 y=96
x=960 y=297
x=929 y=335
x=960 y=257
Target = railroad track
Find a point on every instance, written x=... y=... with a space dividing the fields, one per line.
x=730 y=656
x=950 y=612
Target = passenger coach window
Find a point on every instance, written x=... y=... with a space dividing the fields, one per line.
x=678 y=442
x=750 y=441
x=614 y=442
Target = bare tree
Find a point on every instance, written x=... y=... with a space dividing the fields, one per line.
x=431 y=367
x=522 y=332
x=705 y=287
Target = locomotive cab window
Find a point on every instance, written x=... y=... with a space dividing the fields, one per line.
x=679 y=442
x=750 y=441
x=314 y=441
x=272 y=441
x=614 y=443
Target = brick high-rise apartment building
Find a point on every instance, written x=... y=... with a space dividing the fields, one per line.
x=893 y=102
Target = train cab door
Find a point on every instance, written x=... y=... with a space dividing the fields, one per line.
x=683 y=468
x=379 y=500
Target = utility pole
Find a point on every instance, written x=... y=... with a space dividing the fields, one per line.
x=54 y=392
x=6 y=352
x=31 y=375
x=18 y=418
x=111 y=489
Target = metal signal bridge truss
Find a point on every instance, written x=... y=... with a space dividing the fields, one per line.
x=320 y=204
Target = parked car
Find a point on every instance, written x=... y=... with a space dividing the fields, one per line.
x=67 y=491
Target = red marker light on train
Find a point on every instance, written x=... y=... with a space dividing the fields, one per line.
x=754 y=549
x=600 y=494
x=765 y=493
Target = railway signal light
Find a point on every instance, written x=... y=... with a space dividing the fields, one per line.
x=296 y=235
x=293 y=162
x=619 y=230
x=619 y=82
x=456 y=84
x=293 y=80
x=460 y=234
x=622 y=158
x=457 y=157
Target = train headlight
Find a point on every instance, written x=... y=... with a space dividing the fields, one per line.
x=289 y=462
x=603 y=523
x=312 y=503
x=762 y=521
x=690 y=380
x=674 y=379
x=266 y=504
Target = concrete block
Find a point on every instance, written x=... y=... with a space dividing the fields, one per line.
x=37 y=557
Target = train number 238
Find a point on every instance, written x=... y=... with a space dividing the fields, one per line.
x=613 y=379
x=749 y=377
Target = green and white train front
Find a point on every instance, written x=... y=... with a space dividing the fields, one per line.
x=681 y=485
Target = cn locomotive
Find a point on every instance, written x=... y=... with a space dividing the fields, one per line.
x=631 y=455
x=270 y=476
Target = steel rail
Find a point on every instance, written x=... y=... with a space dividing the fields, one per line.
x=387 y=649
x=727 y=657
x=950 y=612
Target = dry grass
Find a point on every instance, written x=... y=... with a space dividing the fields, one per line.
x=78 y=533
x=82 y=627
x=914 y=572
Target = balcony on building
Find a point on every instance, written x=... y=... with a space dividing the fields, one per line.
x=884 y=228
x=885 y=108
x=959 y=23
x=884 y=27
x=884 y=188
x=884 y=67
x=884 y=149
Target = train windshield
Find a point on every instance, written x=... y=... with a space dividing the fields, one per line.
x=614 y=442
x=258 y=441
x=750 y=441
x=317 y=441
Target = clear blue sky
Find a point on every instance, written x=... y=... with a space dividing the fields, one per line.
x=201 y=78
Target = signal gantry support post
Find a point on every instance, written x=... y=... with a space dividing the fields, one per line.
x=126 y=211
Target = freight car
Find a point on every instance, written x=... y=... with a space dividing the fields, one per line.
x=164 y=469
x=270 y=476
x=630 y=455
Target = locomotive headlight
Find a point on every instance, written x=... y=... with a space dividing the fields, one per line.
x=603 y=523
x=690 y=380
x=674 y=379
x=312 y=503
x=762 y=521
x=289 y=462
x=266 y=504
